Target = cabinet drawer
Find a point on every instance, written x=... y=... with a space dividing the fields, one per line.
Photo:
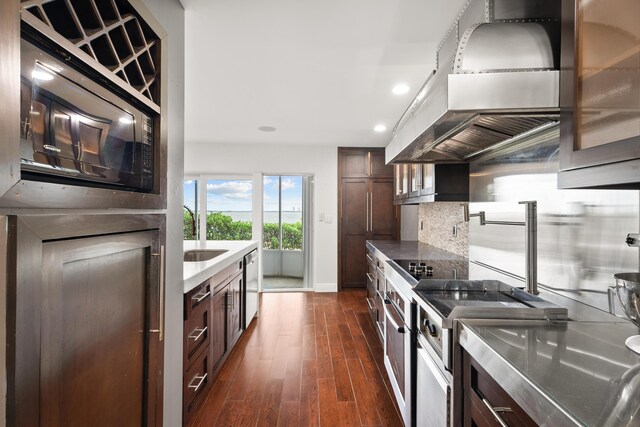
x=196 y=334
x=196 y=381
x=201 y=295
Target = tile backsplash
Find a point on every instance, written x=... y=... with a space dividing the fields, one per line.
x=436 y=222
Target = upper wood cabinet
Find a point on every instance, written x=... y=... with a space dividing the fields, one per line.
x=363 y=162
x=422 y=183
x=600 y=94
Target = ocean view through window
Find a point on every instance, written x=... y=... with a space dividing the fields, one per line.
x=229 y=209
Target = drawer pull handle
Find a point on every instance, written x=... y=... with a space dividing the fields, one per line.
x=494 y=412
x=370 y=277
x=197 y=333
x=200 y=297
x=369 y=257
x=371 y=307
x=200 y=379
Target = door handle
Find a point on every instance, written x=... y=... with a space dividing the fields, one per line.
x=160 y=330
x=371 y=212
x=366 y=211
x=395 y=325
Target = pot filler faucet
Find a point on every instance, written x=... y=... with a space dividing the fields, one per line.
x=531 y=240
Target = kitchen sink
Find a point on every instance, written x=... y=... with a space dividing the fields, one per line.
x=199 y=255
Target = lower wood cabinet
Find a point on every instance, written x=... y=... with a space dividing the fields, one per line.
x=212 y=327
x=485 y=402
x=84 y=336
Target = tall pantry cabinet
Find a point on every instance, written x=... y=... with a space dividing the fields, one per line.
x=366 y=210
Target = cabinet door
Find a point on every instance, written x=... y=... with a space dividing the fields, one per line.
x=217 y=338
x=234 y=318
x=354 y=205
x=354 y=226
x=383 y=213
x=600 y=121
x=98 y=354
x=354 y=162
x=378 y=167
x=415 y=181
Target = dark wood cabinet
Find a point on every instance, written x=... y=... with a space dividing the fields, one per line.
x=366 y=211
x=363 y=162
x=485 y=403
x=600 y=94
x=84 y=320
x=375 y=290
x=213 y=326
x=423 y=183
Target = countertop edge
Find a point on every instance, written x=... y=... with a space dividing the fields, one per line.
x=217 y=264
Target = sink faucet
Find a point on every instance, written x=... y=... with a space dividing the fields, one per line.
x=193 y=221
x=530 y=224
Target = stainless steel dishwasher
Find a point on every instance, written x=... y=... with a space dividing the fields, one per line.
x=250 y=298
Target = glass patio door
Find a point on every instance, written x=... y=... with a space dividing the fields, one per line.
x=284 y=232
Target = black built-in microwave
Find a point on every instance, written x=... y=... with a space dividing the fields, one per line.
x=77 y=130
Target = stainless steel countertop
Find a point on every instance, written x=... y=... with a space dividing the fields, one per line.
x=561 y=373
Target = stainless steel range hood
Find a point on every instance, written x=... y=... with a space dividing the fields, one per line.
x=497 y=81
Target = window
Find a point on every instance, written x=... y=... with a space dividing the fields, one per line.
x=190 y=209
x=282 y=229
x=229 y=209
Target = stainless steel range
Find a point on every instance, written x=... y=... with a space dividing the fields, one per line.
x=440 y=297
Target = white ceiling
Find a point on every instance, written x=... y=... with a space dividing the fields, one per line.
x=321 y=72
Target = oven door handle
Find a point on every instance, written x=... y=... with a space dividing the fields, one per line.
x=395 y=324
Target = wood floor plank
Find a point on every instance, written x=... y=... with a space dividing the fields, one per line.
x=348 y=413
x=309 y=395
x=327 y=402
x=365 y=397
x=291 y=388
x=348 y=345
x=289 y=412
x=270 y=410
x=309 y=342
x=344 y=389
x=325 y=369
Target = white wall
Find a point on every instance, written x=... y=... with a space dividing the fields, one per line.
x=321 y=162
x=170 y=14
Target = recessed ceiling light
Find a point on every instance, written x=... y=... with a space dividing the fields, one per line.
x=400 y=89
x=380 y=128
x=267 y=129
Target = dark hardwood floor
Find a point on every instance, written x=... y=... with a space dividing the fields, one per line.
x=309 y=360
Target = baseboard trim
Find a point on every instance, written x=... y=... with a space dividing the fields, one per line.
x=325 y=287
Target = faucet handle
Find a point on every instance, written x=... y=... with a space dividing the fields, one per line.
x=528 y=202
